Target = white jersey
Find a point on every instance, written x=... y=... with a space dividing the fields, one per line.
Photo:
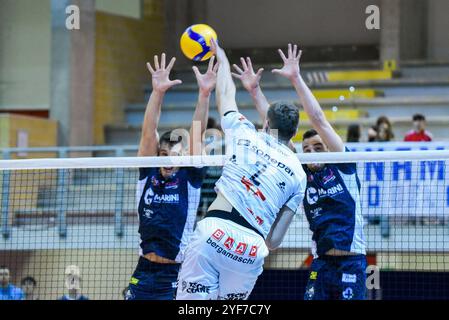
x=261 y=176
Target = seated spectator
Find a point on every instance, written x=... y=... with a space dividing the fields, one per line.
x=354 y=133
x=7 y=290
x=382 y=131
x=419 y=132
x=72 y=283
x=29 y=285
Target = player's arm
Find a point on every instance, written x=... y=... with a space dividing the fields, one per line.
x=206 y=84
x=279 y=228
x=149 y=140
x=251 y=82
x=290 y=70
x=225 y=89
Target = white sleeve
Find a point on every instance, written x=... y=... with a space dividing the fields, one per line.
x=294 y=203
x=234 y=120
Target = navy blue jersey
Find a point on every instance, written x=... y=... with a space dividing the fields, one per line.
x=333 y=208
x=167 y=210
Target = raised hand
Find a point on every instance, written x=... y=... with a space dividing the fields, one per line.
x=160 y=74
x=290 y=70
x=208 y=80
x=250 y=79
x=217 y=50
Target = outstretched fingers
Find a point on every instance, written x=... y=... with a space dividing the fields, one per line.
x=156 y=62
x=171 y=64
x=150 y=68
x=237 y=68
x=281 y=53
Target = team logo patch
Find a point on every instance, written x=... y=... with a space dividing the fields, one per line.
x=218 y=234
x=349 y=278
x=241 y=248
x=313 y=275
x=229 y=243
x=134 y=281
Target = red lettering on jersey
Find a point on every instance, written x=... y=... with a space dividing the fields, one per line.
x=259 y=220
x=253 y=252
x=250 y=187
x=241 y=248
x=218 y=234
x=229 y=243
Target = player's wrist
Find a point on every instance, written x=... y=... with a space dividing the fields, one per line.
x=254 y=91
x=205 y=93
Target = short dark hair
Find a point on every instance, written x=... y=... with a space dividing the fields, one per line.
x=419 y=117
x=309 y=134
x=166 y=138
x=28 y=279
x=284 y=117
x=353 y=134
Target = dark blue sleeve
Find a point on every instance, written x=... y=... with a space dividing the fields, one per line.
x=196 y=176
x=347 y=168
x=145 y=172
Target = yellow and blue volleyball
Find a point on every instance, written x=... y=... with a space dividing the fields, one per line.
x=195 y=42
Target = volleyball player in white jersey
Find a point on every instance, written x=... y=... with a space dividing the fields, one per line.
x=258 y=194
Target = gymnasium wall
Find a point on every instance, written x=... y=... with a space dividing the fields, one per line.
x=438 y=26
x=25 y=34
x=261 y=23
x=123 y=46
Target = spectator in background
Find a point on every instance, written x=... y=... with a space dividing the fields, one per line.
x=72 y=283
x=7 y=290
x=354 y=133
x=29 y=285
x=382 y=131
x=419 y=132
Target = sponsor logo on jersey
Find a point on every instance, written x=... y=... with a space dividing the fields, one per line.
x=312 y=194
x=313 y=275
x=218 y=234
x=349 y=278
x=241 y=248
x=229 y=254
x=195 y=287
x=148 y=197
x=229 y=243
x=269 y=159
x=253 y=252
x=316 y=212
x=330 y=177
x=235 y=296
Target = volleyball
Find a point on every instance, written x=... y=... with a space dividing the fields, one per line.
x=195 y=42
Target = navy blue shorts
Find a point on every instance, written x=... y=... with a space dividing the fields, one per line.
x=337 y=278
x=153 y=281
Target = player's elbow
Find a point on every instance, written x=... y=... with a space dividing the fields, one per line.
x=272 y=244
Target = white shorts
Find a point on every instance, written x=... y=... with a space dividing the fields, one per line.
x=222 y=262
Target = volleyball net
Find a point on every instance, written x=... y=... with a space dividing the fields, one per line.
x=62 y=218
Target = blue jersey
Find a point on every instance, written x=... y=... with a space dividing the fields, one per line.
x=68 y=298
x=11 y=293
x=333 y=208
x=167 y=210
